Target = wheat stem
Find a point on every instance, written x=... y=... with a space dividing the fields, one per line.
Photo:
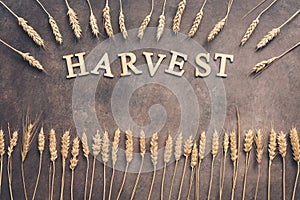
x=269 y=180
x=104 y=182
x=289 y=19
x=44 y=9
x=257 y=182
x=92 y=178
x=38 y=177
x=72 y=185
x=223 y=175
x=283 y=178
x=245 y=175
x=23 y=180
x=137 y=179
x=211 y=177
x=250 y=11
x=191 y=183
x=1 y=172
x=173 y=178
x=152 y=183
x=111 y=182
x=123 y=181
x=62 y=180
x=9 y=172
x=86 y=178
x=14 y=14
x=296 y=181
x=163 y=182
x=182 y=177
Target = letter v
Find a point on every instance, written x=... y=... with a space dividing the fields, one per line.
x=148 y=56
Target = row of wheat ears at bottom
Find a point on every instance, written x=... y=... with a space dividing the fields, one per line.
x=193 y=149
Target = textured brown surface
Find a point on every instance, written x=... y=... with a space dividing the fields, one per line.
x=273 y=97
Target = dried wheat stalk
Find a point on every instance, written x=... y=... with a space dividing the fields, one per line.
x=41 y=148
x=220 y=25
x=223 y=167
x=145 y=22
x=105 y=158
x=202 y=142
x=178 y=16
x=167 y=158
x=187 y=150
x=2 y=152
x=214 y=152
x=29 y=130
x=142 y=153
x=177 y=154
x=73 y=20
x=114 y=157
x=53 y=24
x=249 y=138
x=197 y=21
x=93 y=21
x=282 y=147
x=74 y=162
x=254 y=8
x=122 y=22
x=272 y=154
x=274 y=32
x=154 y=158
x=194 y=161
x=53 y=157
x=129 y=157
x=296 y=153
x=259 y=67
x=254 y=24
x=259 y=155
x=107 y=20
x=12 y=143
x=161 y=22
x=28 y=58
x=233 y=157
x=65 y=143
x=86 y=152
x=96 y=147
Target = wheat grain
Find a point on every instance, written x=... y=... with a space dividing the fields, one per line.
x=129 y=146
x=161 y=26
x=52 y=145
x=122 y=22
x=282 y=146
x=296 y=153
x=55 y=30
x=154 y=157
x=94 y=25
x=75 y=153
x=249 y=31
x=142 y=144
x=259 y=155
x=272 y=153
x=31 y=32
x=32 y=61
x=202 y=142
x=214 y=152
x=263 y=64
x=168 y=149
x=233 y=147
x=96 y=147
x=65 y=143
x=216 y=30
x=196 y=24
x=223 y=167
x=267 y=38
x=107 y=21
x=86 y=152
x=115 y=147
x=74 y=22
x=178 y=16
x=143 y=26
x=194 y=161
x=105 y=148
x=12 y=143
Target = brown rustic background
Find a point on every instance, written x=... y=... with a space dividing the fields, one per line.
x=273 y=98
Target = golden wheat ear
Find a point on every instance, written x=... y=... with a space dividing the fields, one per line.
x=107 y=20
x=178 y=16
x=86 y=152
x=145 y=22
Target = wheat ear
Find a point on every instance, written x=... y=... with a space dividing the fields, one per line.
x=214 y=152
x=187 y=150
x=28 y=29
x=296 y=153
x=167 y=158
x=178 y=16
x=194 y=161
x=177 y=154
x=29 y=130
x=233 y=156
x=65 y=143
x=142 y=153
x=273 y=33
x=145 y=22
x=254 y=24
x=154 y=158
x=259 y=156
x=223 y=167
x=249 y=138
x=53 y=157
x=282 y=147
x=93 y=21
x=74 y=163
x=28 y=58
x=12 y=143
x=220 y=25
x=105 y=158
x=129 y=157
x=53 y=24
x=86 y=152
x=202 y=143
x=122 y=22
x=197 y=21
x=73 y=20
x=272 y=154
x=114 y=157
x=161 y=22
x=96 y=147
x=2 y=152
x=41 y=148
x=107 y=20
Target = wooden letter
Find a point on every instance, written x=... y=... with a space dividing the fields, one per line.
x=203 y=65
x=148 y=56
x=129 y=64
x=174 y=62
x=223 y=57
x=105 y=65
x=80 y=64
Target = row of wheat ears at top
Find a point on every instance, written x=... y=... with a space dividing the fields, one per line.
x=74 y=22
x=190 y=149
